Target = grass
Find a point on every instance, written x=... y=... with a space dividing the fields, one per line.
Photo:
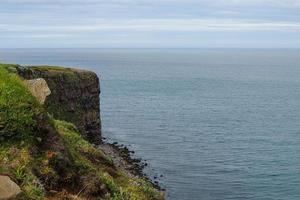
x=18 y=108
x=53 y=69
x=15 y=161
x=121 y=186
x=19 y=111
x=42 y=155
x=70 y=72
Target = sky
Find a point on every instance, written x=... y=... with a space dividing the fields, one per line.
x=149 y=23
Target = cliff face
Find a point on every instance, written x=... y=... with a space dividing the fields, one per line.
x=74 y=97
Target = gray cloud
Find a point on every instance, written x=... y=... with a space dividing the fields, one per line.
x=158 y=2
x=154 y=25
x=138 y=20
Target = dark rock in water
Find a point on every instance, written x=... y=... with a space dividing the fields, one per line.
x=74 y=97
x=8 y=188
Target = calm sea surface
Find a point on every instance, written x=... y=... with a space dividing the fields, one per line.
x=217 y=124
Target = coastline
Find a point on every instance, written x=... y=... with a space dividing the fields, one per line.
x=51 y=147
x=124 y=158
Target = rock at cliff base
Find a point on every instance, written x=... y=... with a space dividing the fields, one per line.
x=39 y=88
x=8 y=188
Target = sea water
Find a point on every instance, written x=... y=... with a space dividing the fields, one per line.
x=217 y=124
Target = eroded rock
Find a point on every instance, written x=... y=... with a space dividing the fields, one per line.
x=39 y=88
x=74 y=97
x=8 y=188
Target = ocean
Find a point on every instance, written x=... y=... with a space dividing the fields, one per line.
x=213 y=124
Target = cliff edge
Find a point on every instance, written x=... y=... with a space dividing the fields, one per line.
x=43 y=153
x=74 y=97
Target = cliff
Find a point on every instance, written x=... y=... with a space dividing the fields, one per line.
x=74 y=97
x=47 y=158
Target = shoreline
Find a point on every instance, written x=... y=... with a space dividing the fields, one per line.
x=123 y=158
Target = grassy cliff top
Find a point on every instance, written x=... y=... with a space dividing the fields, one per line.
x=57 y=69
x=49 y=159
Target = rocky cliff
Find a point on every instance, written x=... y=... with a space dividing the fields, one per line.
x=74 y=97
x=43 y=158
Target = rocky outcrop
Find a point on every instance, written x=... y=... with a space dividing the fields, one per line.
x=48 y=158
x=74 y=97
x=8 y=188
x=39 y=88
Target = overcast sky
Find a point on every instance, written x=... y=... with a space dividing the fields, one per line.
x=150 y=23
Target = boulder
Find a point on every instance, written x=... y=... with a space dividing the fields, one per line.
x=8 y=188
x=39 y=88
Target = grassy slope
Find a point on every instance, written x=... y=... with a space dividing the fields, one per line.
x=43 y=154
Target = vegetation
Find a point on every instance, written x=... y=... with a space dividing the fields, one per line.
x=74 y=96
x=18 y=108
x=49 y=159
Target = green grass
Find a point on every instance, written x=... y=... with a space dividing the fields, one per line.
x=18 y=108
x=71 y=73
x=121 y=186
x=53 y=69
x=18 y=113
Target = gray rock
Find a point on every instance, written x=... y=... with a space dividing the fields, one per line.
x=39 y=88
x=8 y=188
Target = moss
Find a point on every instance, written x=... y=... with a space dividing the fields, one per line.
x=53 y=69
x=70 y=73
